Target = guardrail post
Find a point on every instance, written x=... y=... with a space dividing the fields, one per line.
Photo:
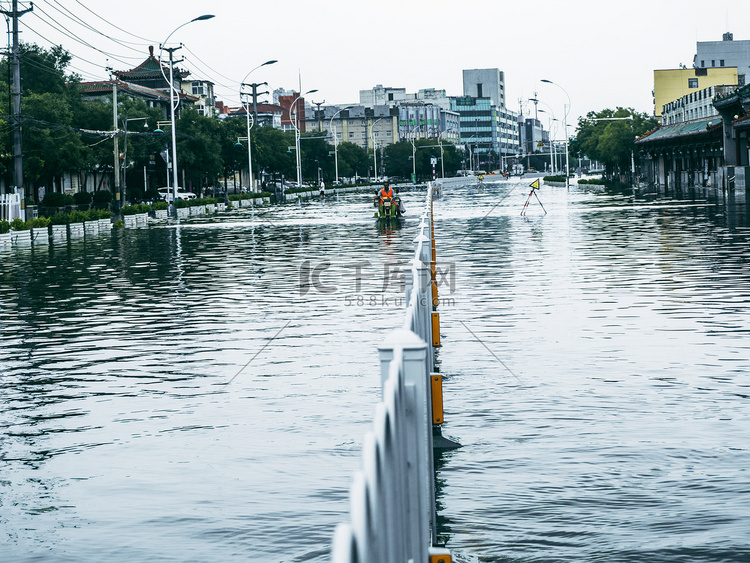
x=419 y=529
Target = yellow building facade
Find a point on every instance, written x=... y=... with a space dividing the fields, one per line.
x=672 y=84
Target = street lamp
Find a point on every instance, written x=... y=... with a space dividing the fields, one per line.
x=374 y=148
x=125 y=157
x=172 y=93
x=255 y=116
x=413 y=155
x=336 y=140
x=297 y=134
x=565 y=127
x=442 y=160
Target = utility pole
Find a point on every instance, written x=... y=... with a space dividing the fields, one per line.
x=118 y=200
x=255 y=95
x=17 y=129
x=317 y=113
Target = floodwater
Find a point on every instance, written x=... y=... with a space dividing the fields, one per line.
x=201 y=392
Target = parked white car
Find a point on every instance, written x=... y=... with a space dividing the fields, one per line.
x=167 y=194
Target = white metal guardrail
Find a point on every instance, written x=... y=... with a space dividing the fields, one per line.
x=392 y=499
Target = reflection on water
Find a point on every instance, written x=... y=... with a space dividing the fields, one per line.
x=195 y=392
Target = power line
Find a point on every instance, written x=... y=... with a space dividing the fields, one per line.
x=149 y=41
x=81 y=22
x=77 y=39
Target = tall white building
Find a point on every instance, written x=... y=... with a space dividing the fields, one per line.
x=724 y=53
x=485 y=83
x=381 y=96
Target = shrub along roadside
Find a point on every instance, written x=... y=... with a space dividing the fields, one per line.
x=557 y=178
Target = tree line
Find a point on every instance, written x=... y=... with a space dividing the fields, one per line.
x=65 y=132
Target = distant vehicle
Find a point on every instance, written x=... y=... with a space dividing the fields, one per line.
x=167 y=194
x=461 y=173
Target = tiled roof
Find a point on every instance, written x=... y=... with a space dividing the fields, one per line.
x=686 y=128
x=135 y=89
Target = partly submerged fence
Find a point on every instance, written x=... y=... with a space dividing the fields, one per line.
x=392 y=499
x=10 y=207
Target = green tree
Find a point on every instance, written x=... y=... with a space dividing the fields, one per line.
x=398 y=159
x=51 y=145
x=272 y=151
x=353 y=160
x=198 y=149
x=316 y=154
x=610 y=141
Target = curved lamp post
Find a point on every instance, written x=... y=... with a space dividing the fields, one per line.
x=249 y=125
x=336 y=140
x=374 y=148
x=565 y=127
x=172 y=93
x=297 y=134
x=413 y=154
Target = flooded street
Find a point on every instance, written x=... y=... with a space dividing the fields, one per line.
x=201 y=392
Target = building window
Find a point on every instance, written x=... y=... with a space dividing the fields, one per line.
x=692 y=82
x=388 y=133
x=351 y=134
x=376 y=134
x=713 y=62
x=703 y=63
x=740 y=80
x=198 y=89
x=479 y=91
x=364 y=135
x=721 y=62
x=338 y=135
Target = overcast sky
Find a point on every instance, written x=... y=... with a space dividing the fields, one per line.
x=602 y=53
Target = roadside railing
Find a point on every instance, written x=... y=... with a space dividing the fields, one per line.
x=392 y=498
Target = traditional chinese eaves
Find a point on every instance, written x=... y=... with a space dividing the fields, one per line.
x=687 y=131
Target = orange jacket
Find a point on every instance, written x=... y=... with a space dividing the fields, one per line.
x=386 y=194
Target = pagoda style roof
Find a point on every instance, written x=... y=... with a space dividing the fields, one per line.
x=682 y=131
x=135 y=90
x=149 y=69
x=739 y=97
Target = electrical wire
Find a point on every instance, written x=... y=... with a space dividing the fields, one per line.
x=67 y=13
x=54 y=25
x=149 y=41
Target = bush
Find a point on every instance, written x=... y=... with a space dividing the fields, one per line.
x=20 y=225
x=91 y=215
x=78 y=217
x=4 y=227
x=597 y=181
x=118 y=224
x=181 y=203
x=40 y=223
x=102 y=196
x=54 y=199
x=60 y=219
x=29 y=201
x=560 y=179
x=160 y=206
x=130 y=210
x=82 y=198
